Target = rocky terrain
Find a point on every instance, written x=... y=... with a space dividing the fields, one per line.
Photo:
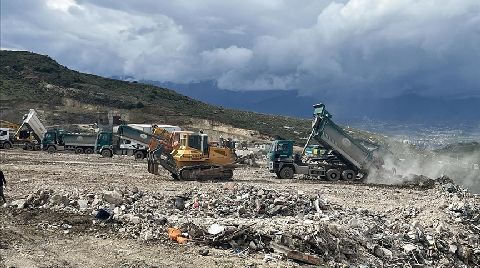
x=67 y=210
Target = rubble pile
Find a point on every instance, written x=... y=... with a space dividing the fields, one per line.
x=304 y=227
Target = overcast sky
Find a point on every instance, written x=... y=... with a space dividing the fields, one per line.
x=380 y=47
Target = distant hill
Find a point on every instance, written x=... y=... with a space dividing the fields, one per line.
x=29 y=80
x=282 y=102
x=409 y=108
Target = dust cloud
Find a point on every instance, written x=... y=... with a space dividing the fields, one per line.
x=406 y=164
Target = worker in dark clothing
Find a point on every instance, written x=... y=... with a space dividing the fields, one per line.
x=3 y=183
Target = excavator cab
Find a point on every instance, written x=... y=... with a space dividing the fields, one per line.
x=196 y=141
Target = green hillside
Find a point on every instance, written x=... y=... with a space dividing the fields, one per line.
x=30 y=80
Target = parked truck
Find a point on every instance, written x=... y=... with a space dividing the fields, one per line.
x=58 y=140
x=131 y=139
x=344 y=157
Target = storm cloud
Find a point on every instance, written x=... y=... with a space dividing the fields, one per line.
x=356 y=47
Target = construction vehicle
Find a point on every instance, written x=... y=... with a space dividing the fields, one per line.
x=343 y=157
x=131 y=139
x=31 y=131
x=189 y=156
x=58 y=140
x=5 y=142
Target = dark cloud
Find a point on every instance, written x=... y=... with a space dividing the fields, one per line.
x=356 y=47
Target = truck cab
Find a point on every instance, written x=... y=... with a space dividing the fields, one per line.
x=51 y=140
x=5 y=141
x=281 y=160
x=103 y=144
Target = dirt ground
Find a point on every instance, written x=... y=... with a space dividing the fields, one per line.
x=32 y=237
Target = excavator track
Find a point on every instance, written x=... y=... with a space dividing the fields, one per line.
x=197 y=172
x=205 y=172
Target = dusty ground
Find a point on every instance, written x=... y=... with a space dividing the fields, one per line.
x=24 y=242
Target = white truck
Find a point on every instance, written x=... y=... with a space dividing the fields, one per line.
x=5 y=140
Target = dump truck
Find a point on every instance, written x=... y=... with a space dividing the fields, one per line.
x=19 y=136
x=190 y=156
x=57 y=140
x=31 y=132
x=343 y=157
x=131 y=139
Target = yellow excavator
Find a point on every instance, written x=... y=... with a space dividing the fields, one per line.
x=190 y=156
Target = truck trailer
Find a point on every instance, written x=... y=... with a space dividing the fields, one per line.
x=58 y=140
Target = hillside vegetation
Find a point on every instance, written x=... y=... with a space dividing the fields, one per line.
x=30 y=80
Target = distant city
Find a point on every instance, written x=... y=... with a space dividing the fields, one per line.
x=425 y=136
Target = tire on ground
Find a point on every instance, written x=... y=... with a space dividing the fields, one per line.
x=349 y=175
x=286 y=173
x=333 y=174
x=139 y=155
x=7 y=145
x=106 y=153
x=29 y=147
x=79 y=150
x=89 y=151
x=51 y=149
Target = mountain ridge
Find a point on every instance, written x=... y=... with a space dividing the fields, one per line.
x=412 y=108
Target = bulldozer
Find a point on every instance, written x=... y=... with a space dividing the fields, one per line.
x=190 y=156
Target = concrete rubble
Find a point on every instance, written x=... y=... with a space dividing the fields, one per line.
x=307 y=228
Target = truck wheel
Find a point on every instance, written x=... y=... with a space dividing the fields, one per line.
x=7 y=145
x=89 y=151
x=51 y=149
x=139 y=155
x=286 y=173
x=333 y=174
x=79 y=150
x=37 y=147
x=30 y=147
x=106 y=153
x=349 y=175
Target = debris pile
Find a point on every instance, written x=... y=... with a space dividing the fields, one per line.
x=303 y=227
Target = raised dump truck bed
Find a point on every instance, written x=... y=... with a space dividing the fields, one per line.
x=35 y=126
x=333 y=137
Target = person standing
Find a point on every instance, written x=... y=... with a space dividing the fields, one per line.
x=3 y=183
